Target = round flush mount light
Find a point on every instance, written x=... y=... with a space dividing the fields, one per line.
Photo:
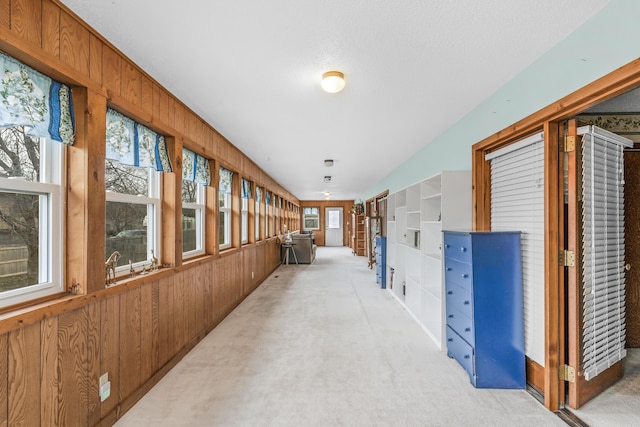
x=328 y=163
x=333 y=81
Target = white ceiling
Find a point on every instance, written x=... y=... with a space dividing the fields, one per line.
x=413 y=68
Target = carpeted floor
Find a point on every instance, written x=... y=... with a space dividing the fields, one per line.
x=322 y=345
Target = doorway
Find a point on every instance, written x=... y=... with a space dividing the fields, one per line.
x=334 y=231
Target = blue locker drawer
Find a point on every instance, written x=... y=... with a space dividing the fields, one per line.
x=458 y=272
x=458 y=246
x=460 y=350
x=460 y=299
x=461 y=324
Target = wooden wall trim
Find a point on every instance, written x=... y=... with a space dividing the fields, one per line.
x=615 y=83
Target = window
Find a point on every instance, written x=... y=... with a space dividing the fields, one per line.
x=36 y=113
x=311 y=218
x=132 y=214
x=267 y=215
x=195 y=176
x=257 y=212
x=31 y=217
x=134 y=157
x=224 y=215
x=246 y=196
x=193 y=218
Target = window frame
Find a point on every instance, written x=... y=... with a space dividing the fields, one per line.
x=51 y=223
x=305 y=214
x=153 y=201
x=200 y=207
x=244 y=220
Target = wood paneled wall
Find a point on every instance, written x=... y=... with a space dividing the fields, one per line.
x=50 y=366
x=346 y=205
x=52 y=354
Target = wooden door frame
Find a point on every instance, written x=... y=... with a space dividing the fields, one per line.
x=548 y=119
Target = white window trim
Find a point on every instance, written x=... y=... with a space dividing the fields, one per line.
x=200 y=209
x=153 y=203
x=244 y=221
x=257 y=220
x=52 y=225
x=226 y=211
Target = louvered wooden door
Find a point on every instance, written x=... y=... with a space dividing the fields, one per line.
x=596 y=284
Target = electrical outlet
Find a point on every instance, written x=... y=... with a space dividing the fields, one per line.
x=105 y=387
x=252 y=275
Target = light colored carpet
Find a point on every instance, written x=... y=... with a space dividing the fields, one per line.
x=322 y=345
x=619 y=405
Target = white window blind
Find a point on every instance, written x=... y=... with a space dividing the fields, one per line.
x=517 y=204
x=603 y=304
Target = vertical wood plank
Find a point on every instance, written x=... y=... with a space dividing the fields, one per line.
x=72 y=357
x=554 y=297
x=94 y=340
x=208 y=295
x=148 y=331
x=146 y=95
x=166 y=320
x=51 y=28
x=24 y=376
x=110 y=349
x=179 y=117
x=171 y=111
x=26 y=20
x=200 y=298
x=74 y=43
x=179 y=328
x=111 y=71
x=129 y=342
x=85 y=216
x=131 y=83
x=4 y=385
x=189 y=284
x=155 y=327
x=5 y=21
x=95 y=59
x=171 y=213
x=163 y=107
x=50 y=368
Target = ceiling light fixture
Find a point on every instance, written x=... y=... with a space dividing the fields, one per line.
x=328 y=163
x=333 y=81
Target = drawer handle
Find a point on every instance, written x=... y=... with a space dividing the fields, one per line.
x=466 y=303
x=467 y=329
x=450 y=340
x=466 y=356
x=464 y=276
x=449 y=268
x=450 y=316
x=447 y=246
x=463 y=249
x=449 y=292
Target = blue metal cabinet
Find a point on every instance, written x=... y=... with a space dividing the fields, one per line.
x=485 y=321
x=381 y=261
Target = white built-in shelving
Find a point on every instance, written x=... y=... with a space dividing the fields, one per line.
x=416 y=217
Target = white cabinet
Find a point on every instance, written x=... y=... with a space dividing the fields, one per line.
x=416 y=217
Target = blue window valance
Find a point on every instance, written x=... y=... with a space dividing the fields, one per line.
x=246 y=189
x=226 y=177
x=29 y=98
x=195 y=168
x=258 y=194
x=133 y=144
x=268 y=198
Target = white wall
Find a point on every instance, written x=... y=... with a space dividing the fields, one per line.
x=606 y=42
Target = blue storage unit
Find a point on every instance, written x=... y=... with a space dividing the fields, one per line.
x=381 y=261
x=485 y=321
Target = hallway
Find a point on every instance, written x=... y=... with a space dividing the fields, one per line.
x=322 y=345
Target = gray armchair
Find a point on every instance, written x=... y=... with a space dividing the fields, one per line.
x=304 y=248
